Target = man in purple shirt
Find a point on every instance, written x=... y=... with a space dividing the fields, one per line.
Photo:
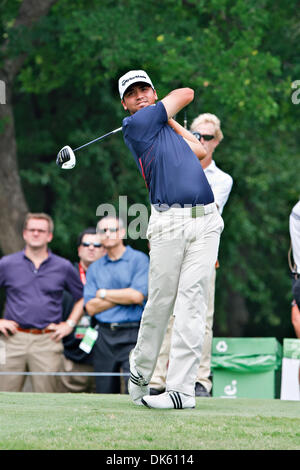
x=32 y=328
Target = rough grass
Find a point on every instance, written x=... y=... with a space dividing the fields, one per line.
x=112 y=422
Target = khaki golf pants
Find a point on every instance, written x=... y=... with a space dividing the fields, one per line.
x=183 y=252
x=76 y=383
x=27 y=352
x=158 y=380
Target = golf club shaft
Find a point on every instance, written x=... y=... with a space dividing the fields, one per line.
x=98 y=138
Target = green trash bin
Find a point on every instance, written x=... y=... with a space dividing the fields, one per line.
x=246 y=367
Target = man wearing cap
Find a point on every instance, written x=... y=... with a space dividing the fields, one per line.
x=184 y=232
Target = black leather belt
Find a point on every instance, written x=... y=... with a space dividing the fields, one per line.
x=119 y=326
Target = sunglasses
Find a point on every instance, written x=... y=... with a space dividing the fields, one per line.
x=206 y=137
x=111 y=230
x=95 y=245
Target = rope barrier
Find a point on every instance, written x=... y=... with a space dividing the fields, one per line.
x=83 y=374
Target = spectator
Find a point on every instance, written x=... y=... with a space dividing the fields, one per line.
x=114 y=294
x=296 y=319
x=8 y=327
x=34 y=280
x=89 y=249
x=294 y=225
x=207 y=128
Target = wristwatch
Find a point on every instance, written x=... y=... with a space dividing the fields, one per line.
x=71 y=323
x=102 y=293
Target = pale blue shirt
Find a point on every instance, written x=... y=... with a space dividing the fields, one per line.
x=131 y=270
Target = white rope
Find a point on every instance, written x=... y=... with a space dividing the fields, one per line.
x=83 y=374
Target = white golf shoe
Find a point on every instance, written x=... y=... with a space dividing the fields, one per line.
x=169 y=400
x=137 y=385
x=137 y=392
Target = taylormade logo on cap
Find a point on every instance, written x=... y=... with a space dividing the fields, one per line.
x=133 y=76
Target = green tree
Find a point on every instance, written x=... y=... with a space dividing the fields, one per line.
x=240 y=57
x=16 y=18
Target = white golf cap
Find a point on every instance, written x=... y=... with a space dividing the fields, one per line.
x=133 y=76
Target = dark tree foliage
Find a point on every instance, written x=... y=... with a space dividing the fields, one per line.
x=240 y=57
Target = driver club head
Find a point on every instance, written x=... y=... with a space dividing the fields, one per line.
x=66 y=158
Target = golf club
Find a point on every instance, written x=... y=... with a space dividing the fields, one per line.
x=66 y=159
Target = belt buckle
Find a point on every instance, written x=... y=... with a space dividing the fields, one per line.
x=197 y=211
x=161 y=207
x=113 y=326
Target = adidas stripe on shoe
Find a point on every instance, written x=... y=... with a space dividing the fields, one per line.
x=137 y=386
x=169 y=400
x=137 y=391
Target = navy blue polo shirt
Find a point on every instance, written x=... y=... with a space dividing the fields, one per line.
x=172 y=172
x=131 y=270
x=34 y=296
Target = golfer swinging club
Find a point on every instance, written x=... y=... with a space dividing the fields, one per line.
x=184 y=232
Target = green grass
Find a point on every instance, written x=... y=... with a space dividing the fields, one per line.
x=112 y=422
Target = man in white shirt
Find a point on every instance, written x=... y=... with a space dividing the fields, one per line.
x=294 y=225
x=207 y=128
x=295 y=234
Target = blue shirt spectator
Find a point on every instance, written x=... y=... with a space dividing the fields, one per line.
x=131 y=270
x=114 y=294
